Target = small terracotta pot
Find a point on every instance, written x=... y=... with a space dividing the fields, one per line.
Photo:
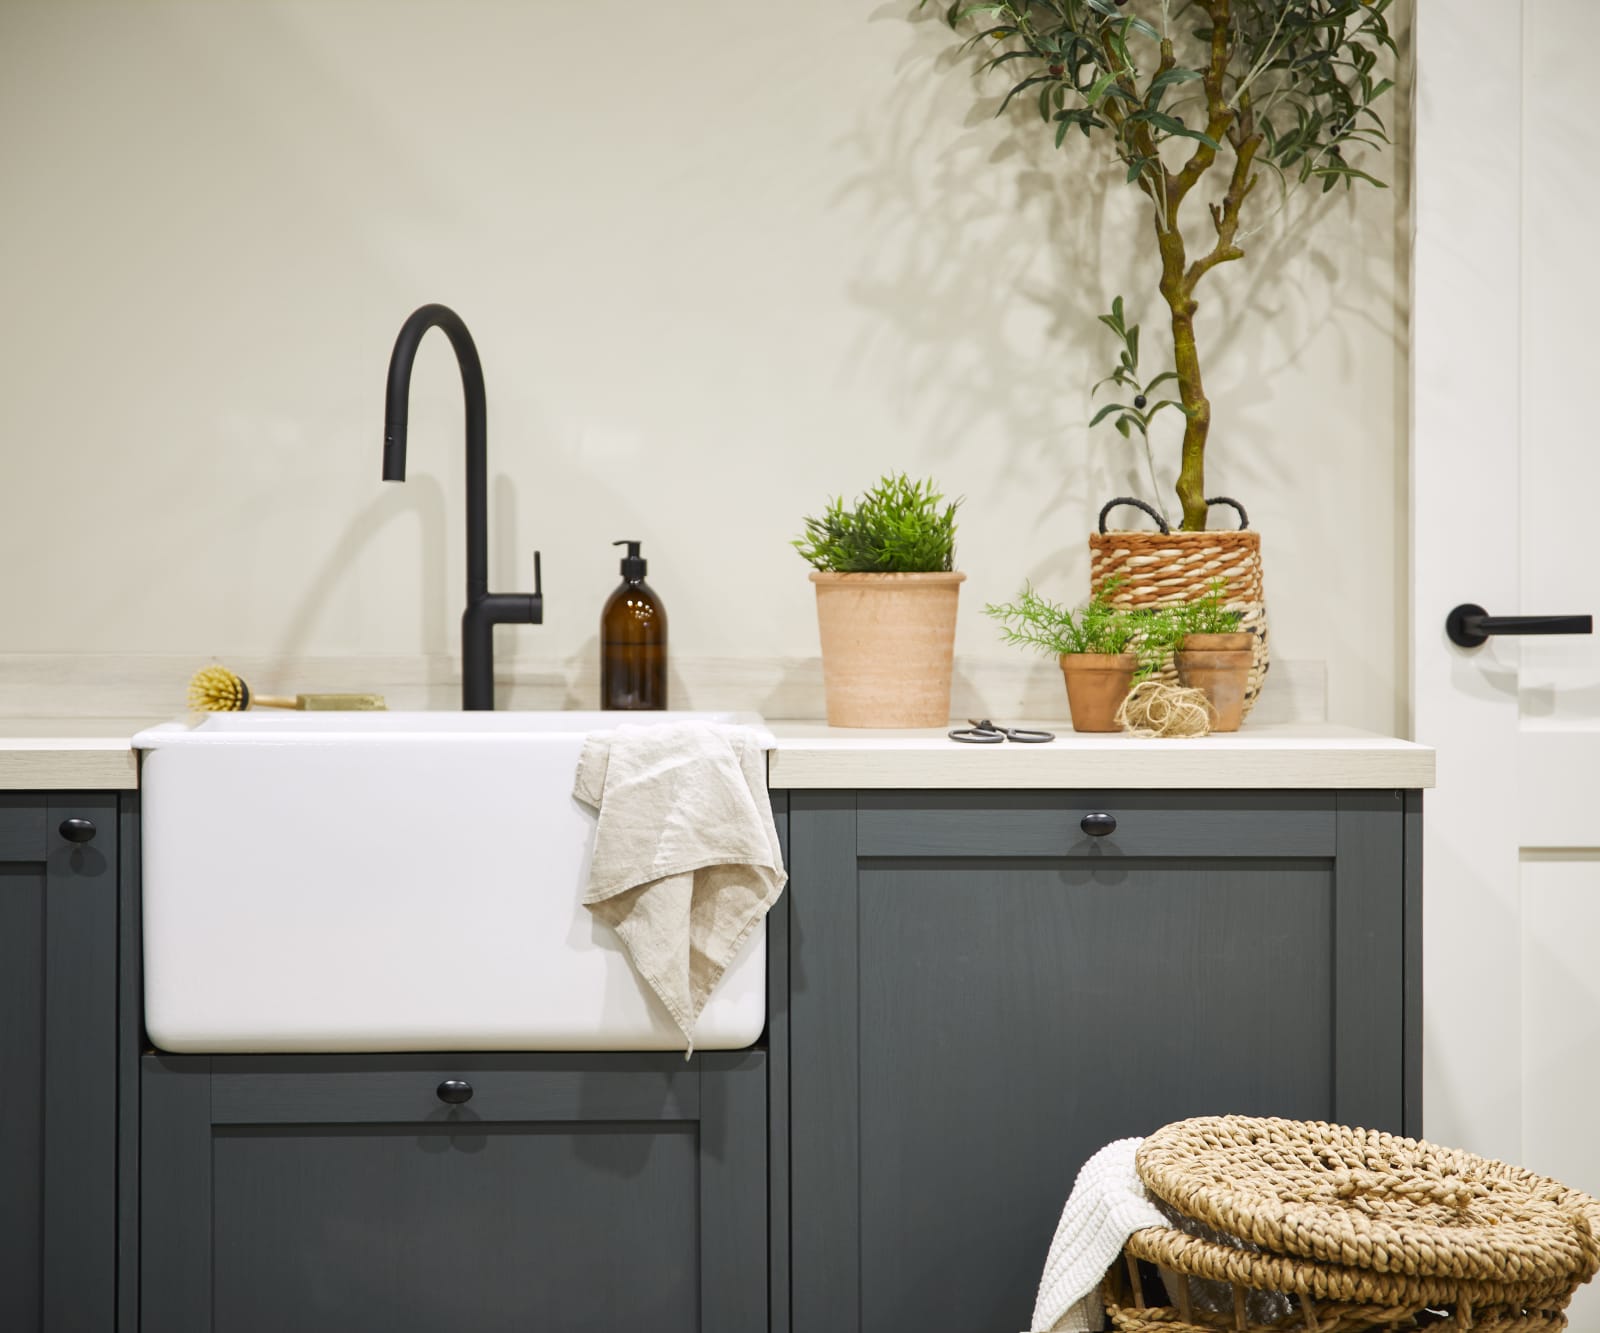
x=1219 y=665
x=888 y=647
x=1219 y=643
x=1097 y=683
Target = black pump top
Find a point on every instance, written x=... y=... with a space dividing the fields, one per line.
x=632 y=566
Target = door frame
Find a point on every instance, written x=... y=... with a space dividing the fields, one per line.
x=1466 y=358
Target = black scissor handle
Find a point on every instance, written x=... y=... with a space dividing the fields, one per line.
x=984 y=732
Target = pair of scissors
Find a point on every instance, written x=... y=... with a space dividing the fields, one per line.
x=986 y=733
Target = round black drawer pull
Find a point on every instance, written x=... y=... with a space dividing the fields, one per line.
x=77 y=830
x=455 y=1091
x=1098 y=824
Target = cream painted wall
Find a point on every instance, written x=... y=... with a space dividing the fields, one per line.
x=721 y=259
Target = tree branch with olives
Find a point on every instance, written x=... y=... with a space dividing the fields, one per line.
x=1175 y=87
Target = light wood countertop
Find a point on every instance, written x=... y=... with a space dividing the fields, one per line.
x=1300 y=755
x=69 y=753
x=94 y=754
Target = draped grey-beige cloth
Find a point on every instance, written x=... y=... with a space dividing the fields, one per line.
x=686 y=857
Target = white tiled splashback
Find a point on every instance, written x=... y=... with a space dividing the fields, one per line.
x=153 y=685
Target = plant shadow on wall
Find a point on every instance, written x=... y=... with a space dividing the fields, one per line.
x=992 y=266
x=972 y=262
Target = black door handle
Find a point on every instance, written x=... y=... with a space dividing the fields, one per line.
x=1469 y=626
x=1097 y=824
x=454 y=1091
x=77 y=830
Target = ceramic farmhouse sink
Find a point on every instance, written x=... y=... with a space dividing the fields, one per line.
x=391 y=882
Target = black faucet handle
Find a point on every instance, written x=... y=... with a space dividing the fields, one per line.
x=535 y=601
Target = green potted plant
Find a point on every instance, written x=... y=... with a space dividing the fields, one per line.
x=1174 y=95
x=1094 y=646
x=1213 y=654
x=1216 y=112
x=887 y=592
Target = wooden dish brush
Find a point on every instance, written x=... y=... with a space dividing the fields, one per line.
x=215 y=689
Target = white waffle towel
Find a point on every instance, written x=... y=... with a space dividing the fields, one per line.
x=1107 y=1205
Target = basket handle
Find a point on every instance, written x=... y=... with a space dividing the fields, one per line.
x=1137 y=504
x=1244 y=518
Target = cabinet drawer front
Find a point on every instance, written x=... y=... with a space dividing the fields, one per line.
x=1051 y=823
x=338 y=1194
x=398 y=1089
x=22 y=832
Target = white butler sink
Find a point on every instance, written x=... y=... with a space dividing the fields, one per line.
x=392 y=882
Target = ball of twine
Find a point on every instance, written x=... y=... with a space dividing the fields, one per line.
x=1156 y=708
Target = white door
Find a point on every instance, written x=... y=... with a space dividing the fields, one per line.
x=1505 y=487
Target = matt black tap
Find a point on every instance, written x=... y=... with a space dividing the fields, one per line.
x=485 y=609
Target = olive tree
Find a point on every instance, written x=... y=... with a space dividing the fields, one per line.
x=1197 y=100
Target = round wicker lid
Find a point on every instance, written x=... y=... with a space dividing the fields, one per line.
x=1364 y=1199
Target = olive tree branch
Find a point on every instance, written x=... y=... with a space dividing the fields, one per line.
x=1268 y=55
x=1219 y=112
x=1246 y=140
x=1152 y=175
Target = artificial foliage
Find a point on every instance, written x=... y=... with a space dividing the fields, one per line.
x=1034 y=621
x=1138 y=412
x=1162 y=630
x=1206 y=615
x=900 y=526
x=1197 y=102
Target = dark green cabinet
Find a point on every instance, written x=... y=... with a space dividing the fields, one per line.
x=329 y=1194
x=982 y=993
x=968 y=993
x=58 y=1048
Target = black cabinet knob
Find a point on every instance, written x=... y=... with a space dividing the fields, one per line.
x=1098 y=824
x=455 y=1091
x=77 y=830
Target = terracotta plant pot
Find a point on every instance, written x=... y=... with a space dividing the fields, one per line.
x=1220 y=665
x=888 y=646
x=1097 y=683
x=1220 y=643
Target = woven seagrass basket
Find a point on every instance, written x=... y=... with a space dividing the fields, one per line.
x=1167 y=568
x=1303 y=1227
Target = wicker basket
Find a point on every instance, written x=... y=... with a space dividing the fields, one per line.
x=1169 y=568
x=1353 y=1230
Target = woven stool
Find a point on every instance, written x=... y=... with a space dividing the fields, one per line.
x=1361 y=1230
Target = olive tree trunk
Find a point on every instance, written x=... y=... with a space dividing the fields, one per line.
x=1191 y=386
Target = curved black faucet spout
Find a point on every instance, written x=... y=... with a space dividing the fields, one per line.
x=484 y=610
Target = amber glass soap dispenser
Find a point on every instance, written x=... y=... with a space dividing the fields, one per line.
x=633 y=641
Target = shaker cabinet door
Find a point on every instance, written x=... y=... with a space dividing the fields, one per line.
x=412 y=1194
x=58 y=1033
x=984 y=993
